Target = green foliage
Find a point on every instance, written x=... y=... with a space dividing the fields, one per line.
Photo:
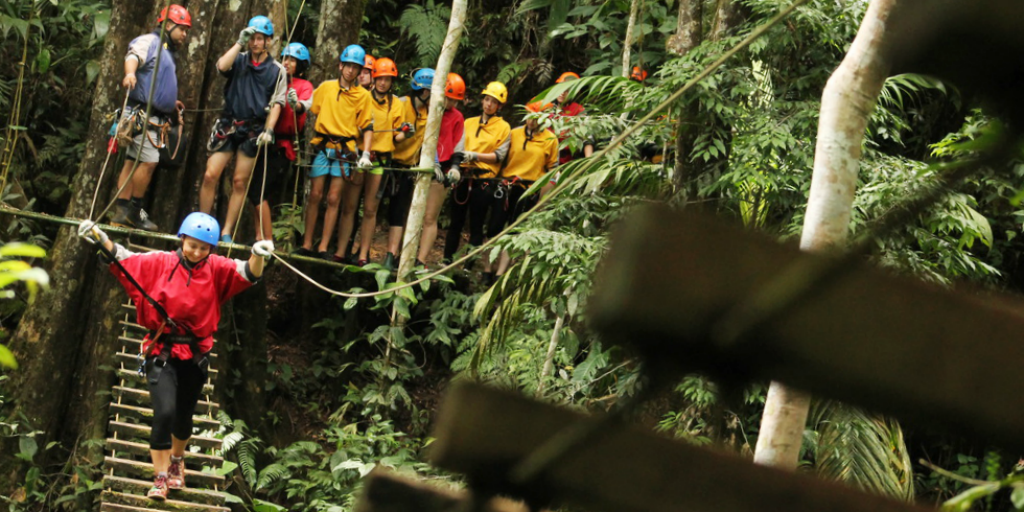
x=426 y=24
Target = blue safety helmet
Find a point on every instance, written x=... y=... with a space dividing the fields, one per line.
x=297 y=51
x=263 y=25
x=353 y=54
x=202 y=227
x=422 y=79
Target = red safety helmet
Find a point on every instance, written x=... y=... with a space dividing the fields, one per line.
x=568 y=75
x=384 y=67
x=455 y=87
x=175 y=14
x=369 y=62
x=638 y=74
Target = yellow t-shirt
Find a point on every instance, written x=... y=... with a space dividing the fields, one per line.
x=388 y=116
x=530 y=158
x=341 y=112
x=407 y=152
x=485 y=139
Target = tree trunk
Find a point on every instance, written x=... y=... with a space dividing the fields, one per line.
x=689 y=34
x=729 y=14
x=846 y=105
x=339 y=27
x=549 y=358
x=49 y=343
x=627 y=44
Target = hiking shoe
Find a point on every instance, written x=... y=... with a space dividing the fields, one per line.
x=140 y=219
x=176 y=473
x=226 y=238
x=389 y=261
x=122 y=217
x=309 y=253
x=361 y=262
x=159 y=490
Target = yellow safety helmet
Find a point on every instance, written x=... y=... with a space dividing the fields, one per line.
x=497 y=91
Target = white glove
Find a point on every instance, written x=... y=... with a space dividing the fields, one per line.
x=293 y=99
x=264 y=248
x=469 y=156
x=245 y=35
x=267 y=137
x=454 y=175
x=438 y=175
x=92 y=234
x=364 y=161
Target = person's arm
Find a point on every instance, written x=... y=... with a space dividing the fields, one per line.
x=275 y=113
x=256 y=265
x=367 y=138
x=497 y=156
x=131 y=65
x=227 y=61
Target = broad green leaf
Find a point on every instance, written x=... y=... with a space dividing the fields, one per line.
x=27 y=448
x=101 y=24
x=43 y=61
x=23 y=250
x=92 y=70
x=7 y=358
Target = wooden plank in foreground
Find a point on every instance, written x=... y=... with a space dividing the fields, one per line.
x=385 y=491
x=892 y=345
x=483 y=432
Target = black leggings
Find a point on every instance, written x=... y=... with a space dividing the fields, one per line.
x=398 y=211
x=175 y=388
x=478 y=198
x=509 y=208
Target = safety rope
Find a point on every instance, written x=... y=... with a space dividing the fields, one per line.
x=15 y=118
x=110 y=151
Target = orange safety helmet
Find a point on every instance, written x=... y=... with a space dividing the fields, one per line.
x=638 y=74
x=538 y=106
x=568 y=75
x=384 y=67
x=175 y=14
x=455 y=87
x=369 y=62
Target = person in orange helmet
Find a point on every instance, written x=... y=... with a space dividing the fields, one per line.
x=366 y=74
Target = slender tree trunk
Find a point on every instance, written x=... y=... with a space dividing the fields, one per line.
x=729 y=14
x=689 y=34
x=48 y=343
x=339 y=27
x=627 y=44
x=846 y=105
x=549 y=358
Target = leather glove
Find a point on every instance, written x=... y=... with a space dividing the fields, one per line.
x=469 y=156
x=364 y=161
x=267 y=137
x=245 y=35
x=92 y=234
x=454 y=175
x=264 y=248
x=407 y=129
x=293 y=99
x=438 y=175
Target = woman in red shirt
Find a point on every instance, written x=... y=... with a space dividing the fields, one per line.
x=189 y=284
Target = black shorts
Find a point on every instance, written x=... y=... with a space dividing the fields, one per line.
x=277 y=172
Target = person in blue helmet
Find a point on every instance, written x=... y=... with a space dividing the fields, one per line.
x=407 y=156
x=342 y=138
x=190 y=284
x=265 y=191
x=255 y=94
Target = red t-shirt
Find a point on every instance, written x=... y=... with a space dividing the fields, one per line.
x=284 y=130
x=571 y=110
x=452 y=124
x=190 y=298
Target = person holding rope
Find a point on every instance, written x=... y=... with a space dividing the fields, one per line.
x=533 y=153
x=446 y=165
x=407 y=156
x=344 y=113
x=177 y=296
x=254 y=95
x=389 y=127
x=144 y=137
x=265 y=190
x=483 y=148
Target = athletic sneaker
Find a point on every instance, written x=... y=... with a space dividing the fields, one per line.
x=226 y=238
x=176 y=473
x=159 y=490
x=141 y=220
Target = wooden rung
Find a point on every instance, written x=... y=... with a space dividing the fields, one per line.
x=140 y=487
x=117 y=507
x=144 y=503
x=192 y=459
x=133 y=375
x=141 y=397
x=385 y=491
x=893 y=345
x=132 y=327
x=483 y=433
x=145 y=413
x=145 y=470
x=132 y=430
x=131 y=362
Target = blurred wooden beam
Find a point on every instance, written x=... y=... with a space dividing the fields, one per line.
x=890 y=344
x=385 y=491
x=483 y=432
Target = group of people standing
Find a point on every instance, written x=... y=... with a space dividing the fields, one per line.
x=365 y=140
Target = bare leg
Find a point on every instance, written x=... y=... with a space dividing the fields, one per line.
x=316 y=194
x=177 y=448
x=140 y=180
x=503 y=262
x=208 y=191
x=348 y=217
x=370 y=204
x=161 y=459
x=239 y=185
x=334 y=193
x=395 y=239
x=435 y=199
